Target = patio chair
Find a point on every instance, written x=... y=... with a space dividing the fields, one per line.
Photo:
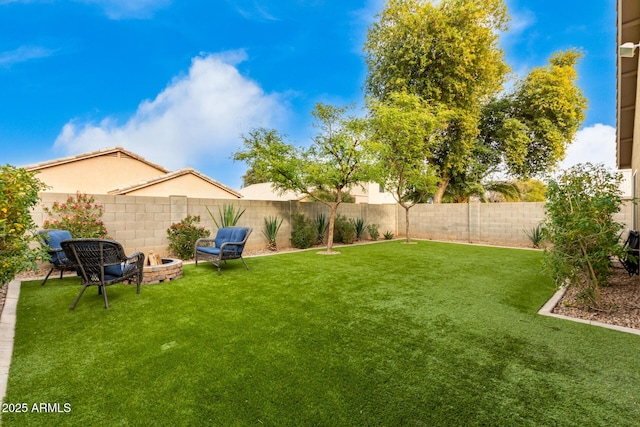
x=51 y=240
x=631 y=253
x=228 y=244
x=102 y=263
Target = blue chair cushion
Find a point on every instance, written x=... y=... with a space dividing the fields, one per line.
x=209 y=250
x=53 y=241
x=114 y=271
x=231 y=234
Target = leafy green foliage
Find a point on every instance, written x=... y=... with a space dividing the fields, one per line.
x=345 y=231
x=303 y=231
x=401 y=144
x=532 y=190
x=271 y=228
x=359 y=226
x=80 y=215
x=446 y=53
x=372 y=230
x=334 y=162
x=18 y=195
x=182 y=236
x=228 y=216
x=529 y=129
x=580 y=227
x=388 y=235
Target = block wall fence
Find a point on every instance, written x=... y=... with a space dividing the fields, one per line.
x=141 y=223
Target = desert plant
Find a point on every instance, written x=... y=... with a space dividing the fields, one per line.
x=271 y=228
x=388 y=235
x=360 y=226
x=18 y=195
x=322 y=225
x=580 y=228
x=536 y=235
x=303 y=231
x=80 y=215
x=182 y=236
x=372 y=229
x=228 y=216
x=345 y=232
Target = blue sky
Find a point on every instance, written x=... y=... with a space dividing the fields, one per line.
x=178 y=81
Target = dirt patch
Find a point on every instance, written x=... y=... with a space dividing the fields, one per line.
x=621 y=299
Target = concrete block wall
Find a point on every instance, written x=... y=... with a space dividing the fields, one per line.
x=140 y=223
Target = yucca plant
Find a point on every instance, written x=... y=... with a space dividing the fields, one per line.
x=321 y=226
x=271 y=228
x=388 y=235
x=228 y=216
x=536 y=235
x=360 y=227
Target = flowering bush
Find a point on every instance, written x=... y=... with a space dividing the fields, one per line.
x=80 y=215
x=183 y=235
x=18 y=194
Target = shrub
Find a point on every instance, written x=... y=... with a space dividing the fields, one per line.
x=372 y=229
x=80 y=215
x=18 y=194
x=271 y=228
x=182 y=236
x=388 y=235
x=580 y=227
x=360 y=226
x=303 y=231
x=344 y=230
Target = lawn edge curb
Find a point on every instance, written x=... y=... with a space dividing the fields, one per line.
x=547 y=310
x=7 y=333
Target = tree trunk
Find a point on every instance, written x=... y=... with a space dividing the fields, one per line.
x=406 y=214
x=332 y=221
x=442 y=187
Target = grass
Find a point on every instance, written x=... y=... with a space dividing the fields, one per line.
x=385 y=334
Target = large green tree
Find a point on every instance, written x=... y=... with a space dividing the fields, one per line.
x=335 y=161
x=529 y=129
x=448 y=54
x=402 y=142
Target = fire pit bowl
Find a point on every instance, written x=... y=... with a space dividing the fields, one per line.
x=169 y=270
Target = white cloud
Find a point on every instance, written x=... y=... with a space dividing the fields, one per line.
x=200 y=115
x=594 y=144
x=119 y=9
x=23 y=54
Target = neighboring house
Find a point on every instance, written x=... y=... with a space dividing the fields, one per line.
x=371 y=193
x=628 y=121
x=118 y=171
x=265 y=191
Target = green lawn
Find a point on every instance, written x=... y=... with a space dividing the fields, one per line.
x=387 y=334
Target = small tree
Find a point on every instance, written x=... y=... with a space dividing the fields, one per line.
x=18 y=195
x=402 y=144
x=334 y=162
x=580 y=227
x=80 y=215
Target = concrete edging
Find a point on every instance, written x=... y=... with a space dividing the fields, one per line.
x=7 y=333
x=547 y=310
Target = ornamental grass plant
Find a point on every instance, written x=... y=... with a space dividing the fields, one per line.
x=437 y=334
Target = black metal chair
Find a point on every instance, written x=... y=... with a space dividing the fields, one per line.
x=101 y=263
x=631 y=253
x=228 y=244
x=51 y=240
